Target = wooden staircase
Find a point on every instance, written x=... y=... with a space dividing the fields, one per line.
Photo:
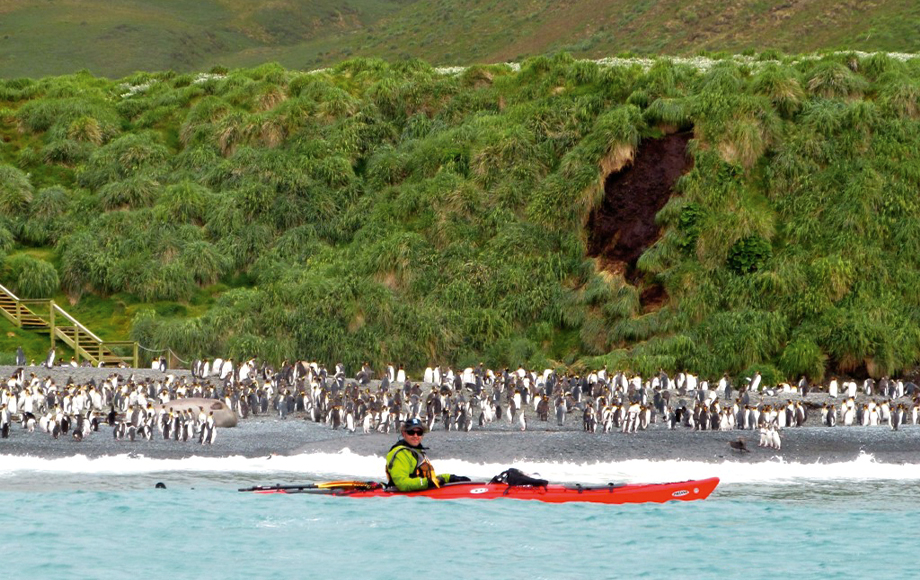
x=18 y=313
x=44 y=315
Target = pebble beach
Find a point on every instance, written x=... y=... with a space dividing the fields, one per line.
x=498 y=442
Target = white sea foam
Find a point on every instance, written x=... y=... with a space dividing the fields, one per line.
x=347 y=464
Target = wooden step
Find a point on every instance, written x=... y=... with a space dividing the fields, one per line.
x=31 y=318
x=27 y=317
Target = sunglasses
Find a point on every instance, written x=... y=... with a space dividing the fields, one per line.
x=415 y=432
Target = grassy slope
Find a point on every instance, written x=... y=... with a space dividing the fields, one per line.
x=507 y=30
x=394 y=213
x=117 y=38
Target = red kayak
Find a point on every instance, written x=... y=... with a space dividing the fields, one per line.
x=552 y=493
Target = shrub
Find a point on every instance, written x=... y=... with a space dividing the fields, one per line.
x=803 y=357
x=6 y=240
x=40 y=115
x=387 y=167
x=47 y=217
x=134 y=192
x=66 y=152
x=749 y=255
x=689 y=224
x=33 y=278
x=879 y=63
x=86 y=129
x=781 y=86
x=15 y=190
x=901 y=95
x=184 y=202
x=832 y=79
x=204 y=262
x=724 y=78
x=744 y=141
x=28 y=156
x=152 y=281
x=674 y=114
x=208 y=110
x=123 y=158
x=742 y=338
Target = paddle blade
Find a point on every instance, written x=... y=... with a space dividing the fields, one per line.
x=348 y=485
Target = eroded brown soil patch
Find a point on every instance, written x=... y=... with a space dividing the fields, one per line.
x=623 y=227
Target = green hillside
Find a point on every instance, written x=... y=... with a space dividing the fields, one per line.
x=115 y=38
x=718 y=216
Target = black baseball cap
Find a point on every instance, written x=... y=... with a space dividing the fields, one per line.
x=414 y=423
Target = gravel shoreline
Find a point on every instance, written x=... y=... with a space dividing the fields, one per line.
x=499 y=442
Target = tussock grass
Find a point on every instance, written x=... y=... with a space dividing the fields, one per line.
x=387 y=211
x=15 y=191
x=134 y=192
x=32 y=278
x=782 y=86
x=832 y=79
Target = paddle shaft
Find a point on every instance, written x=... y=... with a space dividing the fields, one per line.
x=325 y=485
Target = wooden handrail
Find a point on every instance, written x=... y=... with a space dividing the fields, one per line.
x=8 y=291
x=76 y=323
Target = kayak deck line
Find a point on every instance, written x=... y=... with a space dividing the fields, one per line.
x=612 y=493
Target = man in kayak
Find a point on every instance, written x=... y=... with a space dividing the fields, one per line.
x=408 y=468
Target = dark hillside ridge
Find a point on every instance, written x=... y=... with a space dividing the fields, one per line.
x=547 y=215
x=114 y=38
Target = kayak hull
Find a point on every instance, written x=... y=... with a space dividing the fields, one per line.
x=607 y=494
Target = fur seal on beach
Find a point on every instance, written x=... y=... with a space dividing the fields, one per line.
x=739 y=445
x=223 y=415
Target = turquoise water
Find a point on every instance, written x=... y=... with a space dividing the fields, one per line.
x=85 y=524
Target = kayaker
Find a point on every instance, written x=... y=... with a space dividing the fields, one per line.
x=408 y=468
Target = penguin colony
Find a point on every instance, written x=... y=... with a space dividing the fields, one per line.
x=604 y=403
x=127 y=406
x=445 y=399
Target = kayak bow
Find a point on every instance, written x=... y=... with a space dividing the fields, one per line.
x=553 y=493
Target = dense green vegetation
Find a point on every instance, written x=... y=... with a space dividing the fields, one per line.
x=389 y=212
x=114 y=38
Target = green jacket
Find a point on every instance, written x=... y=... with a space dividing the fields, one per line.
x=402 y=467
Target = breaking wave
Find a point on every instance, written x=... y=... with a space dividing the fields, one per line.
x=346 y=464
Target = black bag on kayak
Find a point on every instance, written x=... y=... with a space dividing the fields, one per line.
x=516 y=477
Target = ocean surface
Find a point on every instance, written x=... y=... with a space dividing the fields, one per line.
x=75 y=517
